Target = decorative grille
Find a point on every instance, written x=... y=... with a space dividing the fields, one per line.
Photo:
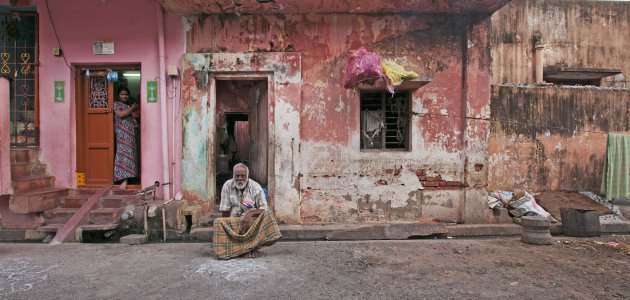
x=98 y=92
x=18 y=55
x=385 y=120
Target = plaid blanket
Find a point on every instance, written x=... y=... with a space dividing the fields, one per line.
x=229 y=243
x=616 y=177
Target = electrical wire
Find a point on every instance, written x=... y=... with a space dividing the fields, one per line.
x=57 y=36
x=510 y=122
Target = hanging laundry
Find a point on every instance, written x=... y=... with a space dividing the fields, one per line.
x=372 y=123
x=362 y=67
x=395 y=74
x=616 y=177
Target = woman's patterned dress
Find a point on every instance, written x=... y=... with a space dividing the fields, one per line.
x=126 y=160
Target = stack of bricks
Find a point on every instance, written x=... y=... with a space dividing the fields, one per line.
x=436 y=182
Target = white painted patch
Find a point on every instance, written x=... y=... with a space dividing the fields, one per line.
x=341 y=105
x=443 y=112
x=234 y=270
x=470 y=44
x=19 y=275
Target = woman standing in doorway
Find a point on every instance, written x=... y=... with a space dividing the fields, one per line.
x=126 y=160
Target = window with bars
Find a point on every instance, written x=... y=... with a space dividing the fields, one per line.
x=385 y=120
x=18 y=58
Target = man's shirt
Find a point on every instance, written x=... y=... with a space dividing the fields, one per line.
x=232 y=198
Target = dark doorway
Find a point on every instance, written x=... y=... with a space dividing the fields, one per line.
x=242 y=129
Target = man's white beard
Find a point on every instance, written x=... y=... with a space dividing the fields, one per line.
x=241 y=184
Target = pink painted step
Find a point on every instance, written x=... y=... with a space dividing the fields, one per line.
x=36 y=200
x=104 y=216
x=22 y=155
x=66 y=232
x=59 y=215
x=73 y=201
x=23 y=169
x=29 y=183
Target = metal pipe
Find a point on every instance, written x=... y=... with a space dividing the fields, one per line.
x=145 y=207
x=540 y=62
x=177 y=197
x=162 y=97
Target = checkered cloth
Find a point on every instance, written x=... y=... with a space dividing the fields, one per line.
x=616 y=177
x=228 y=243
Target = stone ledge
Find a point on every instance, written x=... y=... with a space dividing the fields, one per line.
x=471 y=230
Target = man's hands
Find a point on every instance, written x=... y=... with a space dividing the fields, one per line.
x=247 y=220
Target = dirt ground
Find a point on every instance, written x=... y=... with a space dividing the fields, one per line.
x=414 y=269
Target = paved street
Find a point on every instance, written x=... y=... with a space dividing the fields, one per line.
x=414 y=269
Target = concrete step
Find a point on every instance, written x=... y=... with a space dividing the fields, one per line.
x=83 y=191
x=113 y=201
x=99 y=227
x=59 y=215
x=36 y=200
x=104 y=216
x=341 y=232
x=22 y=155
x=30 y=183
x=73 y=201
x=23 y=169
x=207 y=220
x=53 y=227
x=123 y=192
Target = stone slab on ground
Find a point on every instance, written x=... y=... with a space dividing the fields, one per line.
x=471 y=230
x=340 y=232
x=134 y=239
x=11 y=235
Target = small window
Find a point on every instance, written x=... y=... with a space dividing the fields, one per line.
x=385 y=120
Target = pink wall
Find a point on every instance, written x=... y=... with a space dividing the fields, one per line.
x=132 y=25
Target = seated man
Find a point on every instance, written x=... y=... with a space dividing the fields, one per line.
x=242 y=200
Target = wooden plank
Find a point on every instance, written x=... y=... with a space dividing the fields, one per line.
x=67 y=229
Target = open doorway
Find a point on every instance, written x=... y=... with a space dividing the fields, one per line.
x=242 y=130
x=100 y=135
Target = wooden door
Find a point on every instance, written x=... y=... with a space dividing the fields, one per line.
x=258 y=133
x=95 y=128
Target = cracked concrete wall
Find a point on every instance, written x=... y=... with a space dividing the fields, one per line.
x=587 y=34
x=321 y=175
x=550 y=138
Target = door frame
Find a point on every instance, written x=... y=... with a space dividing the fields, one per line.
x=80 y=110
x=212 y=130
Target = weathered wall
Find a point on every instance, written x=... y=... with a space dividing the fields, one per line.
x=588 y=34
x=335 y=181
x=548 y=138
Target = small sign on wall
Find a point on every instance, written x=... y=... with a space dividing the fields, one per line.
x=152 y=92
x=103 y=47
x=59 y=91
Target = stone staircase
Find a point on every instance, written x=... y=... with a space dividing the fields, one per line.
x=34 y=189
x=38 y=204
x=104 y=216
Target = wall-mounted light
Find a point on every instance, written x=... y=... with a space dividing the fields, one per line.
x=131 y=74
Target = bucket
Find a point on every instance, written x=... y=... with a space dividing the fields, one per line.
x=223 y=163
x=579 y=222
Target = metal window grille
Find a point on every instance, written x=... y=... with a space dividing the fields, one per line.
x=18 y=63
x=385 y=120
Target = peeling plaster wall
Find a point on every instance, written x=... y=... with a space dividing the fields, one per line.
x=588 y=34
x=549 y=138
x=321 y=174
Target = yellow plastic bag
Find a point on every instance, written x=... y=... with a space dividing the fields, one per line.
x=395 y=73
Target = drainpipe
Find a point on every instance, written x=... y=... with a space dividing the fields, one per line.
x=5 y=136
x=540 y=61
x=163 y=105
